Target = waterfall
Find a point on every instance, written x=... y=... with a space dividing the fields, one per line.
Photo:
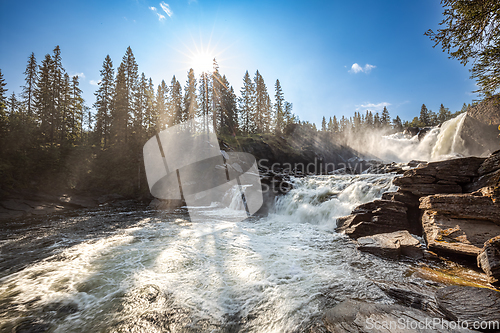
x=449 y=143
x=439 y=143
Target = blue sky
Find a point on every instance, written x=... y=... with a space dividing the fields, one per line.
x=331 y=57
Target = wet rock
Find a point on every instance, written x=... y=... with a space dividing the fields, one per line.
x=469 y=304
x=415 y=163
x=360 y=317
x=423 y=132
x=463 y=206
x=376 y=217
x=464 y=237
x=417 y=294
x=391 y=245
x=489 y=260
x=31 y=325
x=411 y=131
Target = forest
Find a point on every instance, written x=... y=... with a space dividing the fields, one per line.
x=51 y=138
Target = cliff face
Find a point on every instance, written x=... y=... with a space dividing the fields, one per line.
x=480 y=129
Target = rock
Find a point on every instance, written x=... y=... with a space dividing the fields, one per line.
x=492 y=163
x=413 y=213
x=417 y=294
x=489 y=260
x=491 y=179
x=469 y=304
x=411 y=131
x=440 y=177
x=463 y=206
x=480 y=127
x=376 y=217
x=361 y=317
x=415 y=163
x=464 y=237
x=391 y=245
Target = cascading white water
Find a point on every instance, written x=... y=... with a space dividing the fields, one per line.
x=164 y=273
x=438 y=144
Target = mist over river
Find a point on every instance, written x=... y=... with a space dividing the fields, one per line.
x=135 y=269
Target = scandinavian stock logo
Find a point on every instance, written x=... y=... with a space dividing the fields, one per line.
x=185 y=162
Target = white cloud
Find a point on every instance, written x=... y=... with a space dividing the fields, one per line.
x=94 y=82
x=160 y=16
x=372 y=107
x=166 y=9
x=355 y=68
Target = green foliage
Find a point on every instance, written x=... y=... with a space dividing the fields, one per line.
x=469 y=32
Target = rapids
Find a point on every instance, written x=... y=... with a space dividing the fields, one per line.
x=141 y=270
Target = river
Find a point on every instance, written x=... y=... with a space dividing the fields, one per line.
x=139 y=270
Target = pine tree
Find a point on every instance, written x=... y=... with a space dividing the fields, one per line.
x=77 y=110
x=190 y=105
x=161 y=106
x=323 y=125
x=44 y=100
x=385 y=118
x=444 y=114
x=151 y=114
x=229 y=113
x=3 y=106
x=424 y=115
x=205 y=93
x=397 y=125
x=120 y=110
x=247 y=104
x=103 y=103
x=31 y=79
x=57 y=91
x=279 y=113
x=376 y=121
x=262 y=105
x=175 y=102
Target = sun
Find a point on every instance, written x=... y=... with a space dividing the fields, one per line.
x=202 y=62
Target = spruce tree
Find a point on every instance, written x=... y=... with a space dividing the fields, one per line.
x=424 y=116
x=205 y=96
x=175 y=102
x=190 y=105
x=279 y=113
x=44 y=100
x=385 y=118
x=397 y=125
x=103 y=103
x=262 y=104
x=323 y=125
x=161 y=106
x=247 y=104
x=29 y=88
x=3 y=106
x=444 y=114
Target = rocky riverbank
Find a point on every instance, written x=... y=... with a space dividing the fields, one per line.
x=454 y=207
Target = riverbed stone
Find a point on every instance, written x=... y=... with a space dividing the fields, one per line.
x=489 y=260
x=376 y=217
x=463 y=206
x=360 y=317
x=449 y=235
x=391 y=245
x=470 y=304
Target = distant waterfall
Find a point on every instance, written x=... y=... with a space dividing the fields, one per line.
x=440 y=143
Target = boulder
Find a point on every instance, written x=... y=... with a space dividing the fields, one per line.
x=463 y=206
x=440 y=177
x=470 y=304
x=464 y=237
x=491 y=179
x=489 y=260
x=376 y=217
x=411 y=202
x=480 y=127
x=391 y=245
x=360 y=317
x=492 y=163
